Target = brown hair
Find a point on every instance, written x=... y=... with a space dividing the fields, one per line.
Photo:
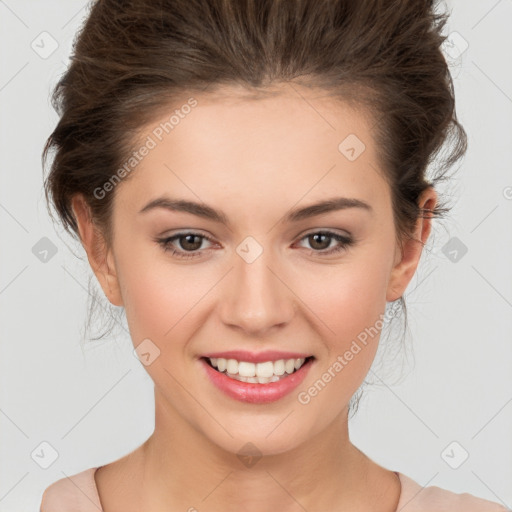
x=132 y=57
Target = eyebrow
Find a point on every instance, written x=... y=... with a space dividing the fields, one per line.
x=295 y=215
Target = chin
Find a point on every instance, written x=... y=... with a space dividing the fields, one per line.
x=255 y=441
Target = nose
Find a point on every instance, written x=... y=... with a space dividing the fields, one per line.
x=256 y=298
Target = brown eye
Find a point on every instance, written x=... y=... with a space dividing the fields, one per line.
x=188 y=246
x=320 y=241
x=317 y=241
x=192 y=242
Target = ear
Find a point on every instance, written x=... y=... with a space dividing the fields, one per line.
x=407 y=259
x=99 y=255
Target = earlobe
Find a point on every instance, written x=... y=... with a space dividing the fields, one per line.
x=99 y=256
x=406 y=266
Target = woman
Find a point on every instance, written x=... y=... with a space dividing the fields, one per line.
x=248 y=180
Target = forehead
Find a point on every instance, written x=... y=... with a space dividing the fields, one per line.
x=285 y=143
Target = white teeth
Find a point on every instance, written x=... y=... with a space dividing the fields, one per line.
x=289 y=366
x=232 y=366
x=265 y=369
x=279 y=367
x=246 y=369
x=255 y=380
x=262 y=373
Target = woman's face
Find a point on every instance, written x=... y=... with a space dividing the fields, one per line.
x=260 y=280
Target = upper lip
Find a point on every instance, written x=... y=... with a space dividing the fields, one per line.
x=257 y=357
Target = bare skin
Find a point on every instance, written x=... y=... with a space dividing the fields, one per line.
x=255 y=160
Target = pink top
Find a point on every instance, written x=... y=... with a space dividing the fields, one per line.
x=79 y=493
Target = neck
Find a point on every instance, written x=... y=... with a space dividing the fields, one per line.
x=179 y=468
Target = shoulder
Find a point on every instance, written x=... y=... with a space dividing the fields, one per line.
x=415 y=498
x=76 y=493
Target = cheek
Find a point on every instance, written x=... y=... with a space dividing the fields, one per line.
x=348 y=309
x=158 y=296
x=165 y=300
x=350 y=300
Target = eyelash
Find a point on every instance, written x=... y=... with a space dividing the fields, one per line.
x=345 y=242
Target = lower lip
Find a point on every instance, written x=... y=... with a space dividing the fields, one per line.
x=257 y=393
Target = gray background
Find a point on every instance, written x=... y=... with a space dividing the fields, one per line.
x=94 y=405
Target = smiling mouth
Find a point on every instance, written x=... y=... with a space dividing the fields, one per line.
x=259 y=373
